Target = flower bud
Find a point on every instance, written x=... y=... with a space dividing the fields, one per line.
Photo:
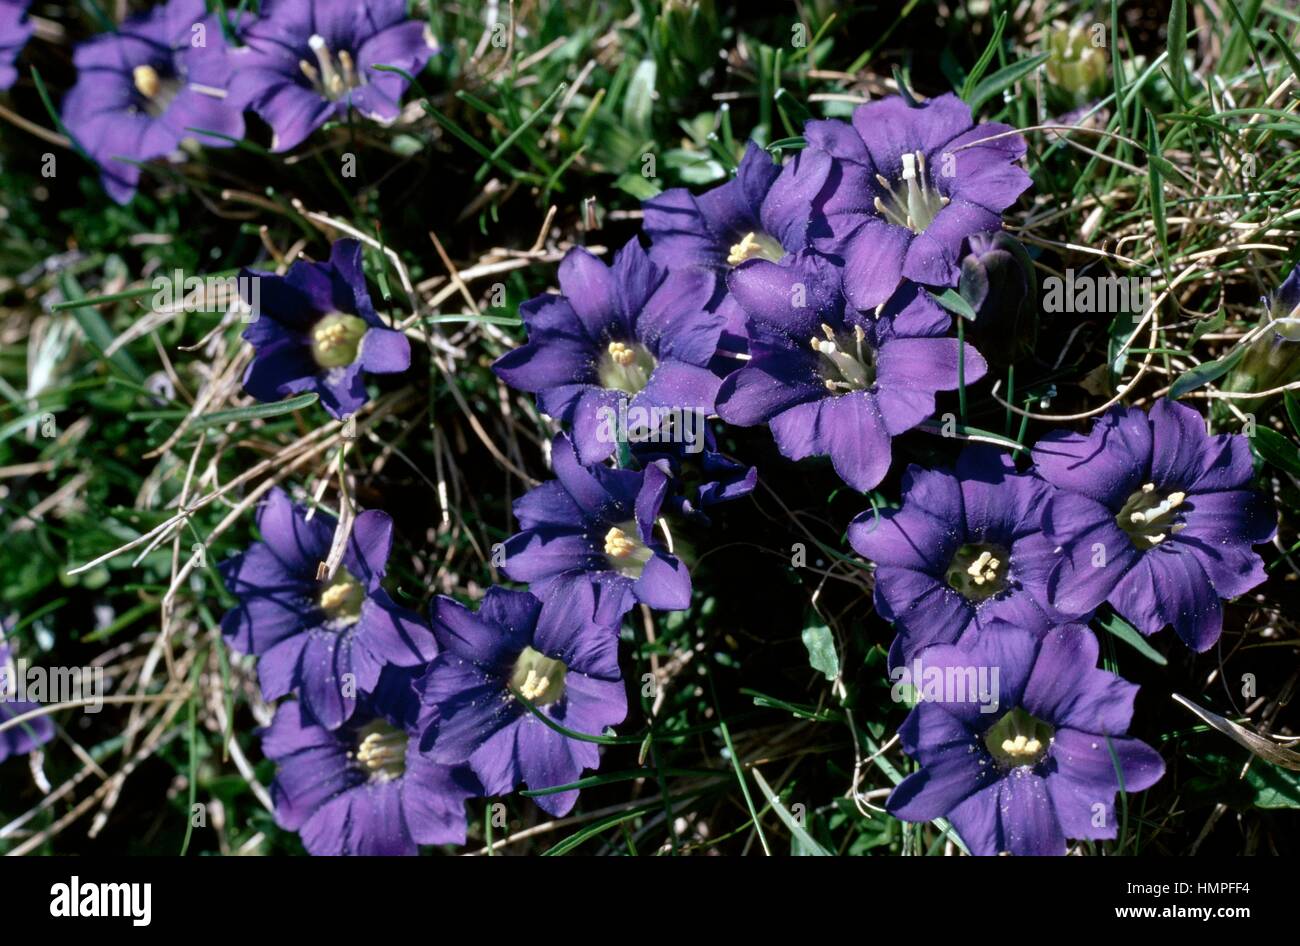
x=998 y=280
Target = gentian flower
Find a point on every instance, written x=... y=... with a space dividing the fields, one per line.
x=593 y=523
x=1153 y=515
x=19 y=738
x=307 y=61
x=620 y=350
x=764 y=212
x=907 y=187
x=998 y=280
x=965 y=550
x=366 y=788
x=557 y=655
x=159 y=80
x=1041 y=767
x=326 y=639
x=702 y=476
x=830 y=380
x=315 y=329
x=15 y=31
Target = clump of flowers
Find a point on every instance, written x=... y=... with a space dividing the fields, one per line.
x=833 y=381
x=327 y=638
x=965 y=551
x=315 y=329
x=909 y=185
x=620 y=351
x=1042 y=767
x=1153 y=515
x=159 y=80
x=365 y=788
x=560 y=656
x=303 y=63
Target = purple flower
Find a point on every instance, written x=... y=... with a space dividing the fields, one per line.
x=328 y=639
x=160 y=79
x=15 y=31
x=620 y=351
x=1153 y=515
x=315 y=329
x=592 y=523
x=908 y=186
x=307 y=61
x=966 y=550
x=557 y=655
x=1038 y=769
x=18 y=738
x=366 y=788
x=830 y=380
x=702 y=476
x=763 y=212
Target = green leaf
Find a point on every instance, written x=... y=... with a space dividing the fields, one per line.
x=1274 y=787
x=1206 y=326
x=1204 y=373
x=642 y=188
x=953 y=301
x=256 y=411
x=1277 y=450
x=1004 y=78
x=638 y=104
x=1126 y=632
x=1292 y=409
x=1178 y=44
x=821 y=650
x=982 y=64
x=809 y=845
x=1156 y=182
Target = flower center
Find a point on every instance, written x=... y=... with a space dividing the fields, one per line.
x=978 y=572
x=342 y=598
x=626 y=553
x=335 y=339
x=156 y=90
x=381 y=751
x=755 y=245
x=331 y=79
x=538 y=678
x=915 y=203
x=847 y=362
x=625 y=367
x=1149 y=518
x=1018 y=739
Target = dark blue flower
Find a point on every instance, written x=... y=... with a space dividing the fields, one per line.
x=592 y=523
x=909 y=184
x=558 y=655
x=1153 y=515
x=830 y=380
x=620 y=351
x=326 y=639
x=307 y=61
x=366 y=788
x=1044 y=765
x=160 y=79
x=764 y=212
x=965 y=550
x=315 y=329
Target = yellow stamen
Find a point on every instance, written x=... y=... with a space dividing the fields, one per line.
x=146 y=80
